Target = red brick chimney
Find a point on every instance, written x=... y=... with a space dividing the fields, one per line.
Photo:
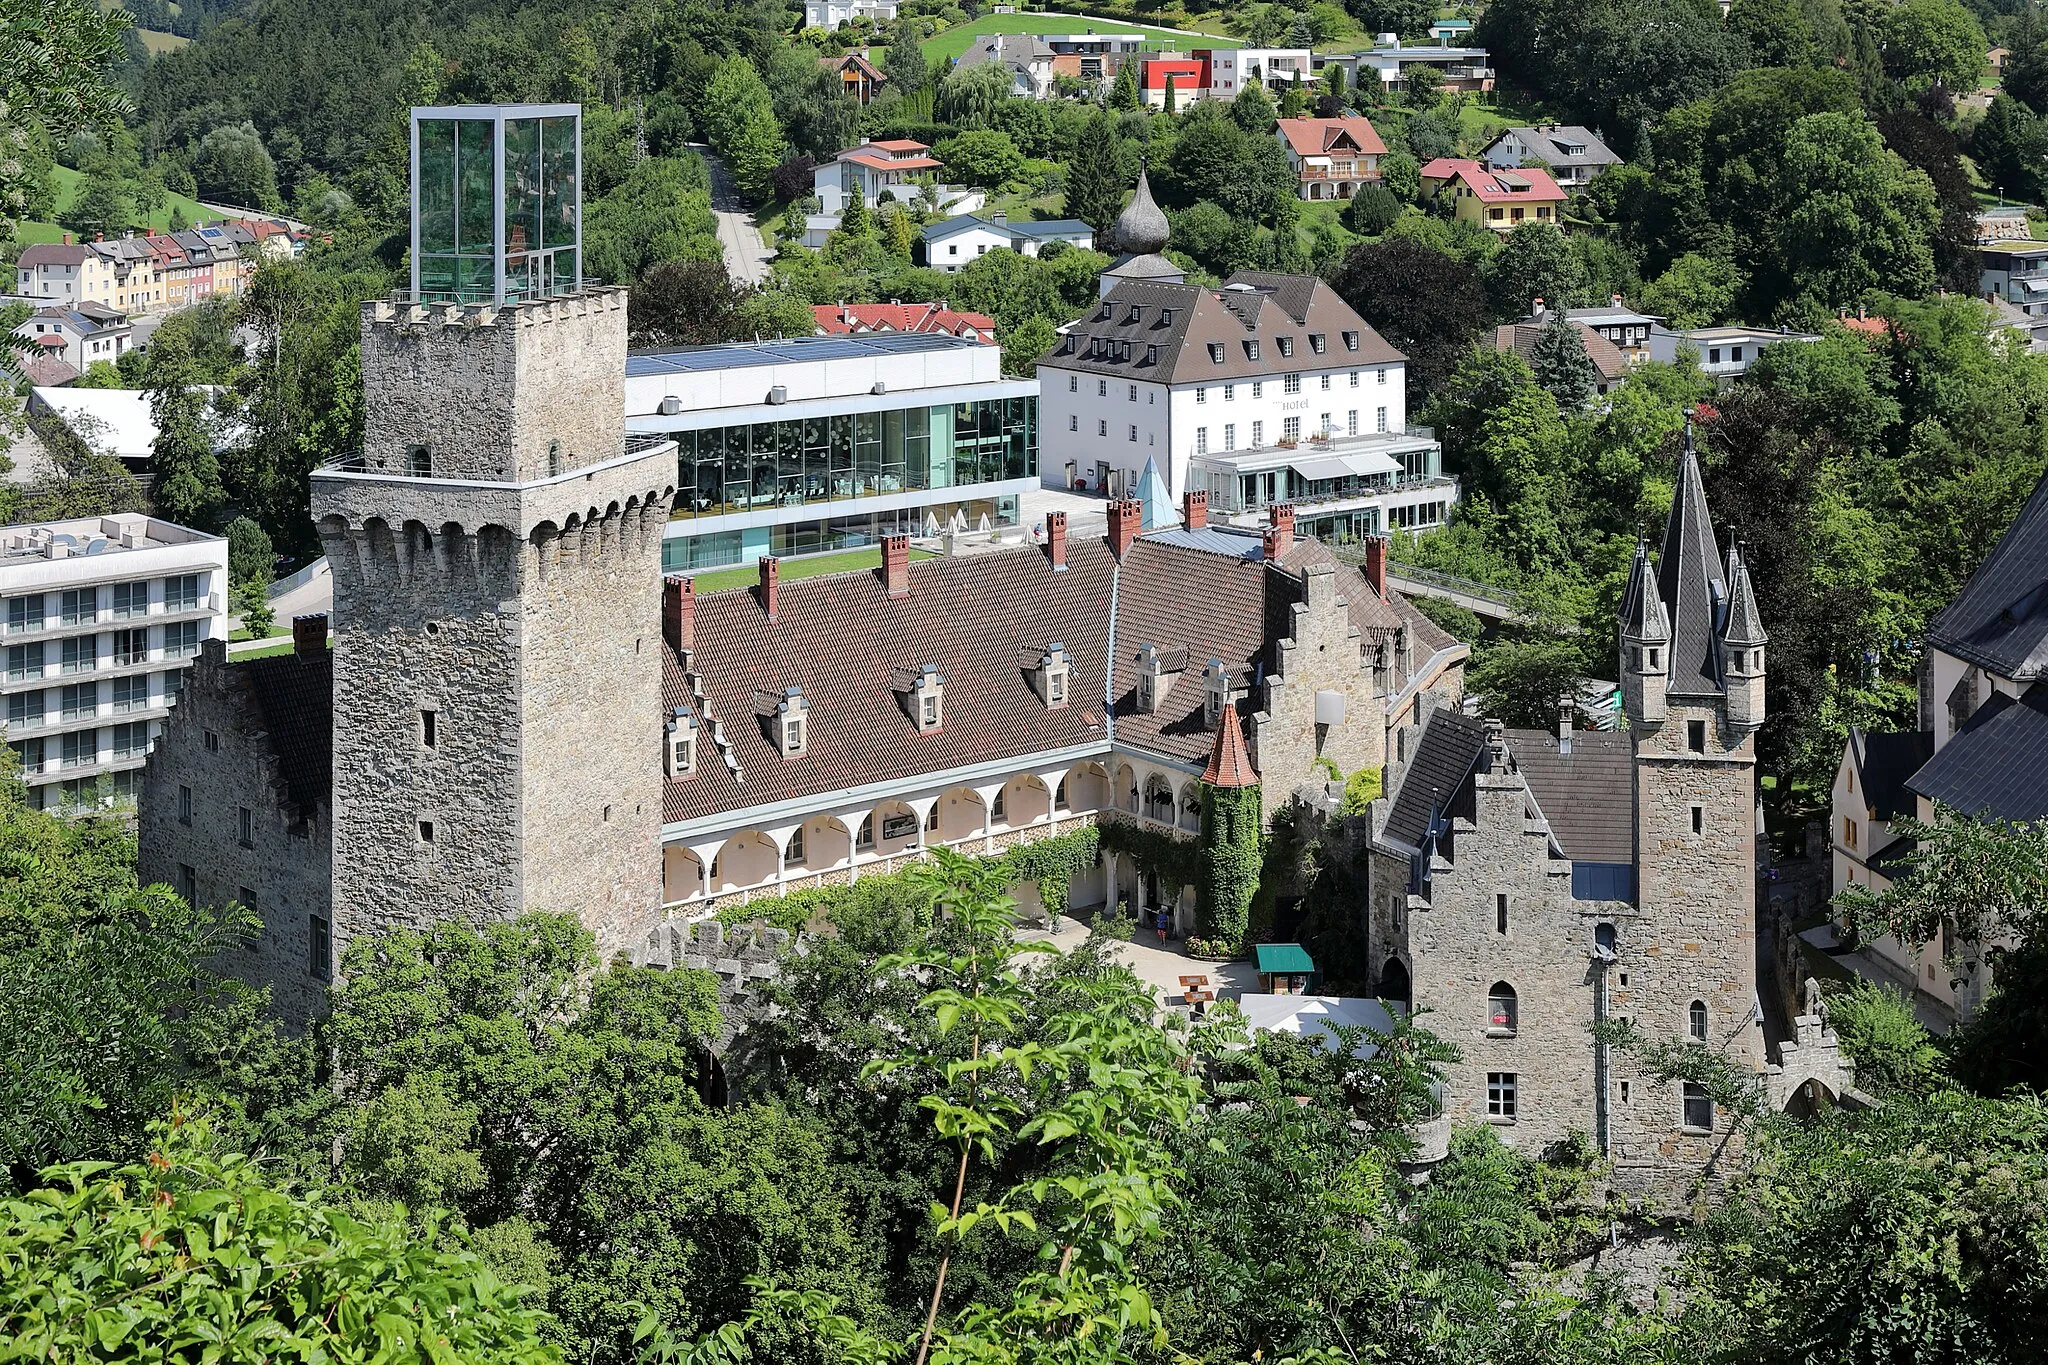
x=1376 y=564
x=896 y=565
x=1280 y=534
x=1194 y=508
x=1056 y=540
x=309 y=635
x=67 y=239
x=771 y=575
x=1125 y=518
x=679 y=611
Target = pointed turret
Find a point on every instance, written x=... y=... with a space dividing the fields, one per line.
x=1645 y=644
x=1742 y=648
x=1689 y=577
x=1154 y=499
x=1229 y=765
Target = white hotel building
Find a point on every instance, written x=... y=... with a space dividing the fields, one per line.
x=1270 y=390
x=102 y=615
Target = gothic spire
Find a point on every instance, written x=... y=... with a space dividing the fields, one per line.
x=1745 y=628
x=1689 y=578
x=1643 y=617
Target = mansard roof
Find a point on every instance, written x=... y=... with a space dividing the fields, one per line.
x=1999 y=621
x=1690 y=580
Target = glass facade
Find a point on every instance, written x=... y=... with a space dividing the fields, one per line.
x=499 y=205
x=821 y=460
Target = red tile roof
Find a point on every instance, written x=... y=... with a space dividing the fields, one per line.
x=1495 y=187
x=1229 y=765
x=901 y=144
x=863 y=157
x=1318 y=136
x=834 y=319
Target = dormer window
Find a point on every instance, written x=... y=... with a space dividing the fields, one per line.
x=680 y=743
x=1216 y=691
x=1135 y=314
x=928 y=699
x=1251 y=350
x=1151 y=355
x=1315 y=342
x=1166 y=317
x=1055 y=671
x=1351 y=341
x=792 y=730
x=1286 y=346
x=1216 y=353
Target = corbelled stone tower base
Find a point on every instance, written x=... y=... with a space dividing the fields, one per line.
x=497 y=623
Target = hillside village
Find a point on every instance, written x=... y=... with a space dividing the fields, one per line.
x=891 y=681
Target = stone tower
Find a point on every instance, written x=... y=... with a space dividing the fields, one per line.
x=496 y=555
x=1685 y=965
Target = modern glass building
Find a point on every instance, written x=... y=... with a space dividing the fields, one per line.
x=819 y=443
x=497 y=213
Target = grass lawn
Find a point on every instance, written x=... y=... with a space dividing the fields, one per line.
x=950 y=44
x=808 y=566
x=67 y=190
x=156 y=42
x=282 y=647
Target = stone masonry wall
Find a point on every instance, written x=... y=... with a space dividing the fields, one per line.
x=1322 y=652
x=488 y=389
x=285 y=866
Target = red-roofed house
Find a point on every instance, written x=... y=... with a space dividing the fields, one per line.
x=894 y=164
x=1332 y=157
x=1189 y=75
x=840 y=319
x=1498 y=199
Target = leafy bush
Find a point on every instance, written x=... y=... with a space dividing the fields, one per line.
x=1373 y=211
x=1362 y=787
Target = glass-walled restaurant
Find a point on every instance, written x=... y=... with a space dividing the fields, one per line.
x=840 y=458
x=497 y=202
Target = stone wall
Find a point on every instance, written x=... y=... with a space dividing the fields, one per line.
x=744 y=960
x=284 y=869
x=488 y=390
x=1322 y=651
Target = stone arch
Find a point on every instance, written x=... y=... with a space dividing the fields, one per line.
x=1124 y=794
x=682 y=874
x=896 y=827
x=1026 y=801
x=749 y=858
x=497 y=554
x=380 y=550
x=827 y=843
x=1086 y=787
x=1159 y=803
x=962 y=815
x=1503 y=1007
x=1394 y=981
x=1810 y=1097
x=1191 y=806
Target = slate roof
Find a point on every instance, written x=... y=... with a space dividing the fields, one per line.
x=1997 y=764
x=1883 y=762
x=1999 y=621
x=53 y=253
x=1253 y=307
x=1444 y=758
x=1587 y=795
x=295 y=697
x=1027 y=228
x=1689 y=579
x=1520 y=337
x=1542 y=143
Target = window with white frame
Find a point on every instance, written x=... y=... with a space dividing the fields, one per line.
x=1201 y=395
x=1290 y=383
x=1230 y=393
x=1258 y=434
x=1354 y=379
x=1201 y=440
x=1134 y=433
x=1326 y=383
x=1380 y=375
x=130 y=601
x=1102 y=426
x=80 y=606
x=1229 y=439
x=81 y=653
x=1500 y=1094
x=1380 y=420
x=1290 y=429
x=1073 y=422
x=1102 y=388
x=1351 y=422
x=1258 y=388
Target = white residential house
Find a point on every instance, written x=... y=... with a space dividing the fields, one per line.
x=102 y=615
x=958 y=242
x=1574 y=155
x=1725 y=353
x=1276 y=68
x=1268 y=391
x=64 y=272
x=80 y=335
x=836 y=13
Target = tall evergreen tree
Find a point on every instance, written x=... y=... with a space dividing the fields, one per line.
x=1095 y=192
x=739 y=123
x=188 y=486
x=1561 y=364
x=1123 y=94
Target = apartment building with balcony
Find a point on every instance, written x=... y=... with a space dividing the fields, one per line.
x=1268 y=391
x=826 y=442
x=2015 y=271
x=102 y=615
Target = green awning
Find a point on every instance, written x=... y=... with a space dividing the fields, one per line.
x=1285 y=959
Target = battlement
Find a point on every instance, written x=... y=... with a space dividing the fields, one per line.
x=409 y=317
x=744 y=959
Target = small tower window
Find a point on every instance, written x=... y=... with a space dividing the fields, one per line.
x=1699 y=819
x=1501 y=1011
x=1500 y=1094
x=1696 y=1021
x=426 y=831
x=1696 y=736
x=1500 y=913
x=430 y=730
x=554 y=458
x=320 y=948
x=419 y=461
x=791 y=732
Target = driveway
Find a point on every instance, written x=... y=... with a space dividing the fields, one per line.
x=746 y=258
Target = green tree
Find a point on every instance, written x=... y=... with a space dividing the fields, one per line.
x=1525 y=676
x=1777 y=31
x=904 y=64
x=102 y=206
x=187 y=487
x=1697 y=291
x=233 y=167
x=1252 y=109
x=739 y=123
x=1402 y=174
x=1853 y=217
x=250 y=556
x=1428 y=304
x=1026 y=343
x=1933 y=43
x=1123 y=91
x=54 y=81
x=1879 y=1032
x=1294 y=99
x=189 y=1247
x=1404 y=17
x=973 y=96
x=981 y=158
x=1561 y=364
x=1095 y=189
x=1535 y=262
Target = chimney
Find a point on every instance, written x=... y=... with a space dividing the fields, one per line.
x=1564 y=727
x=309 y=636
x=1056 y=540
x=679 y=612
x=67 y=239
x=1536 y=308
x=1194 y=508
x=1376 y=564
x=771 y=576
x=896 y=565
x=1614 y=299
x=1280 y=534
x=1125 y=515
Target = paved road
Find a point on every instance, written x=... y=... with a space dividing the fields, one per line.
x=746 y=259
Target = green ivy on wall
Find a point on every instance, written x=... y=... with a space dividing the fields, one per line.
x=1232 y=846
x=1052 y=863
x=1175 y=862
